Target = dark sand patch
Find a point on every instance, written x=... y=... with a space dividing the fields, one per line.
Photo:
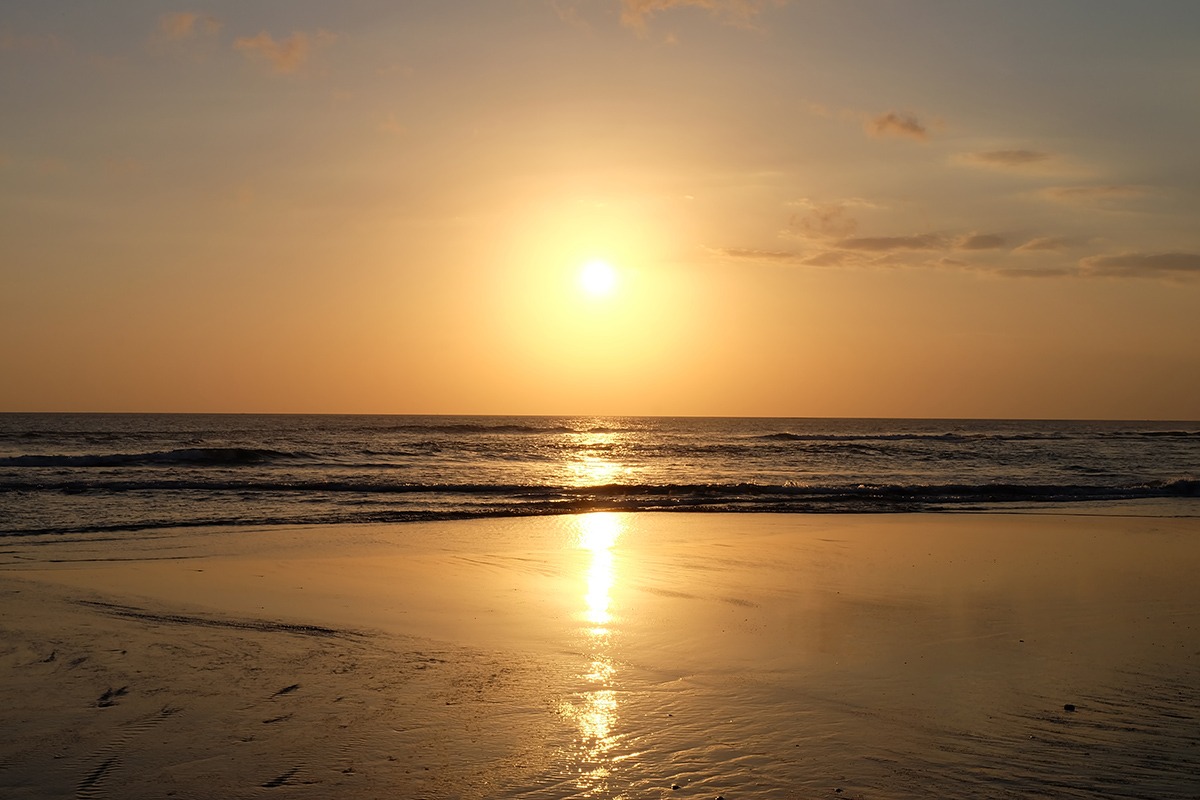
x=265 y=626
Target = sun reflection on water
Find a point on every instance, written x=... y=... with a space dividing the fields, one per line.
x=595 y=459
x=595 y=710
x=592 y=471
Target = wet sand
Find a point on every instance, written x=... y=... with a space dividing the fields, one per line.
x=609 y=655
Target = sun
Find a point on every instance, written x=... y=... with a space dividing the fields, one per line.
x=597 y=278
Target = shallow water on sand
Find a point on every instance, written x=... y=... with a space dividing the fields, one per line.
x=619 y=655
x=885 y=661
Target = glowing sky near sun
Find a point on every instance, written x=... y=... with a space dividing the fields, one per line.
x=816 y=208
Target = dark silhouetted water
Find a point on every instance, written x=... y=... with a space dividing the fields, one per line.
x=110 y=472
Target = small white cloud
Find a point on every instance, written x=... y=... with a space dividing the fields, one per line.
x=895 y=123
x=1005 y=159
x=186 y=24
x=1094 y=195
x=828 y=221
x=284 y=55
x=1046 y=243
x=981 y=241
x=754 y=254
x=886 y=244
x=1143 y=265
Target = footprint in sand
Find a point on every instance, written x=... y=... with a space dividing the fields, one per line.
x=109 y=698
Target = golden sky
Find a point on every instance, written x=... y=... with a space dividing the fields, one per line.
x=926 y=208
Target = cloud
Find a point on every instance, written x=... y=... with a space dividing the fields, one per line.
x=846 y=202
x=1044 y=243
x=831 y=220
x=1143 y=265
x=830 y=258
x=981 y=241
x=755 y=254
x=285 y=55
x=186 y=24
x=1094 y=194
x=634 y=13
x=1005 y=159
x=886 y=244
x=1036 y=272
x=897 y=124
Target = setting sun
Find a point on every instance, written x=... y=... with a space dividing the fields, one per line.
x=598 y=278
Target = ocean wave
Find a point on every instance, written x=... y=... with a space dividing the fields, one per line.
x=349 y=502
x=930 y=493
x=909 y=437
x=1181 y=434
x=204 y=456
x=469 y=428
x=979 y=437
x=480 y=428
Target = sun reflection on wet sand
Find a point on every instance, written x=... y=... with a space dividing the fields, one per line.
x=598 y=533
x=595 y=710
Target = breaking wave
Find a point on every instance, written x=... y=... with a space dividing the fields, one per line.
x=198 y=456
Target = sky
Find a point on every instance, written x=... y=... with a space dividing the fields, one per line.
x=851 y=208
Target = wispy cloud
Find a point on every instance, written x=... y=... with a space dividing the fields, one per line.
x=1046 y=243
x=635 y=13
x=895 y=123
x=186 y=24
x=885 y=244
x=824 y=221
x=981 y=241
x=1090 y=195
x=1143 y=265
x=1005 y=159
x=755 y=254
x=284 y=55
x=1037 y=272
x=829 y=258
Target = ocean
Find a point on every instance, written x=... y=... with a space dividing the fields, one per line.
x=93 y=473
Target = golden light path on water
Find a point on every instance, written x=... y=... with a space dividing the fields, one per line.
x=590 y=466
x=595 y=712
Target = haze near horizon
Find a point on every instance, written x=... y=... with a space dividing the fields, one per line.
x=613 y=207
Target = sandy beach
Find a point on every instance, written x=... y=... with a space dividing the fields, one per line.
x=608 y=655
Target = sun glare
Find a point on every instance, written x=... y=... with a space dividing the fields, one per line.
x=598 y=278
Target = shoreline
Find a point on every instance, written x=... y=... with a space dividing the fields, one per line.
x=611 y=655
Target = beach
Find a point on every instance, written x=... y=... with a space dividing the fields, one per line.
x=608 y=655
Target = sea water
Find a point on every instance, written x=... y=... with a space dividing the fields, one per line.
x=79 y=473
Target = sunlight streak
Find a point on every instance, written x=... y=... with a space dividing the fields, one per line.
x=595 y=711
x=599 y=533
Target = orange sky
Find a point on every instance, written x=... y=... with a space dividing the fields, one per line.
x=931 y=209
